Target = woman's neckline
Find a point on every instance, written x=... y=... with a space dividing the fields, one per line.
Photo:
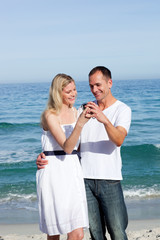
x=65 y=124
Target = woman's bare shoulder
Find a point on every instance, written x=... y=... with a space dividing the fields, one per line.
x=50 y=117
x=49 y=113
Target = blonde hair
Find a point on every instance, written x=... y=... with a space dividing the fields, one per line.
x=59 y=82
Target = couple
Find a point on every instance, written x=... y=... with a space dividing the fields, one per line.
x=102 y=127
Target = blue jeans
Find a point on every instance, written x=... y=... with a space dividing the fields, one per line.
x=106 y=208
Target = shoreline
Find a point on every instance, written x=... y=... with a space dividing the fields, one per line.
x=28 y=228
x=144 y=222
x=138 y=209
x=137 y=229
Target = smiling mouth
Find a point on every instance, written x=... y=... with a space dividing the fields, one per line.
x=97 y=94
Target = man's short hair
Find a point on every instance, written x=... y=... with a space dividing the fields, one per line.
x=105 y=71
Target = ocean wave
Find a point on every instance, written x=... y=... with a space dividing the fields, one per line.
x=142 y=146
x=141 y=192
x=7 y=125
x=157 y=146
x=11 y=197
x=16 y=201
x=18 y=156
x=29 y=201
x=143 y=151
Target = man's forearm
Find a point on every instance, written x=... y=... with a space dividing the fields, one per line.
x=115 y=134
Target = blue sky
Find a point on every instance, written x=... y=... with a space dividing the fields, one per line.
x=40 y=38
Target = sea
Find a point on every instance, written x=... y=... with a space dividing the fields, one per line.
x=21 y=105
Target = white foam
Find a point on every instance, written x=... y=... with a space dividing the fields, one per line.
x=16 y=201
x=157 y=145
x=15 y=157
x=143 y=193
x=18 y=197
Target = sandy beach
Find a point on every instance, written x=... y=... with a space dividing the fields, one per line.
x=137 y=230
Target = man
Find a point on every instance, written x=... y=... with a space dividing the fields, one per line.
x=101 y=139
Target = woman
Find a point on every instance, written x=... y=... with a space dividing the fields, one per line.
x=60 y=186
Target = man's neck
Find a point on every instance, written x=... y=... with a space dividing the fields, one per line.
x=105 y=103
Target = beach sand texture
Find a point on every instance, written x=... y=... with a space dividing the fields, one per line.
x=137 y=230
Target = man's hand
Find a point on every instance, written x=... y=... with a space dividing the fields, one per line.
x=94 y=111
x=40 y=161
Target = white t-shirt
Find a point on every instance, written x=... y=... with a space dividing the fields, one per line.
x=100 y=157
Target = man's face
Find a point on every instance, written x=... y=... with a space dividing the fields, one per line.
x=100 y=87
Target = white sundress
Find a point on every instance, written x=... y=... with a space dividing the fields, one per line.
x=60 y=189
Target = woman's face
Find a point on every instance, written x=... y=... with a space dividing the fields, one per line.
x=69 y=94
